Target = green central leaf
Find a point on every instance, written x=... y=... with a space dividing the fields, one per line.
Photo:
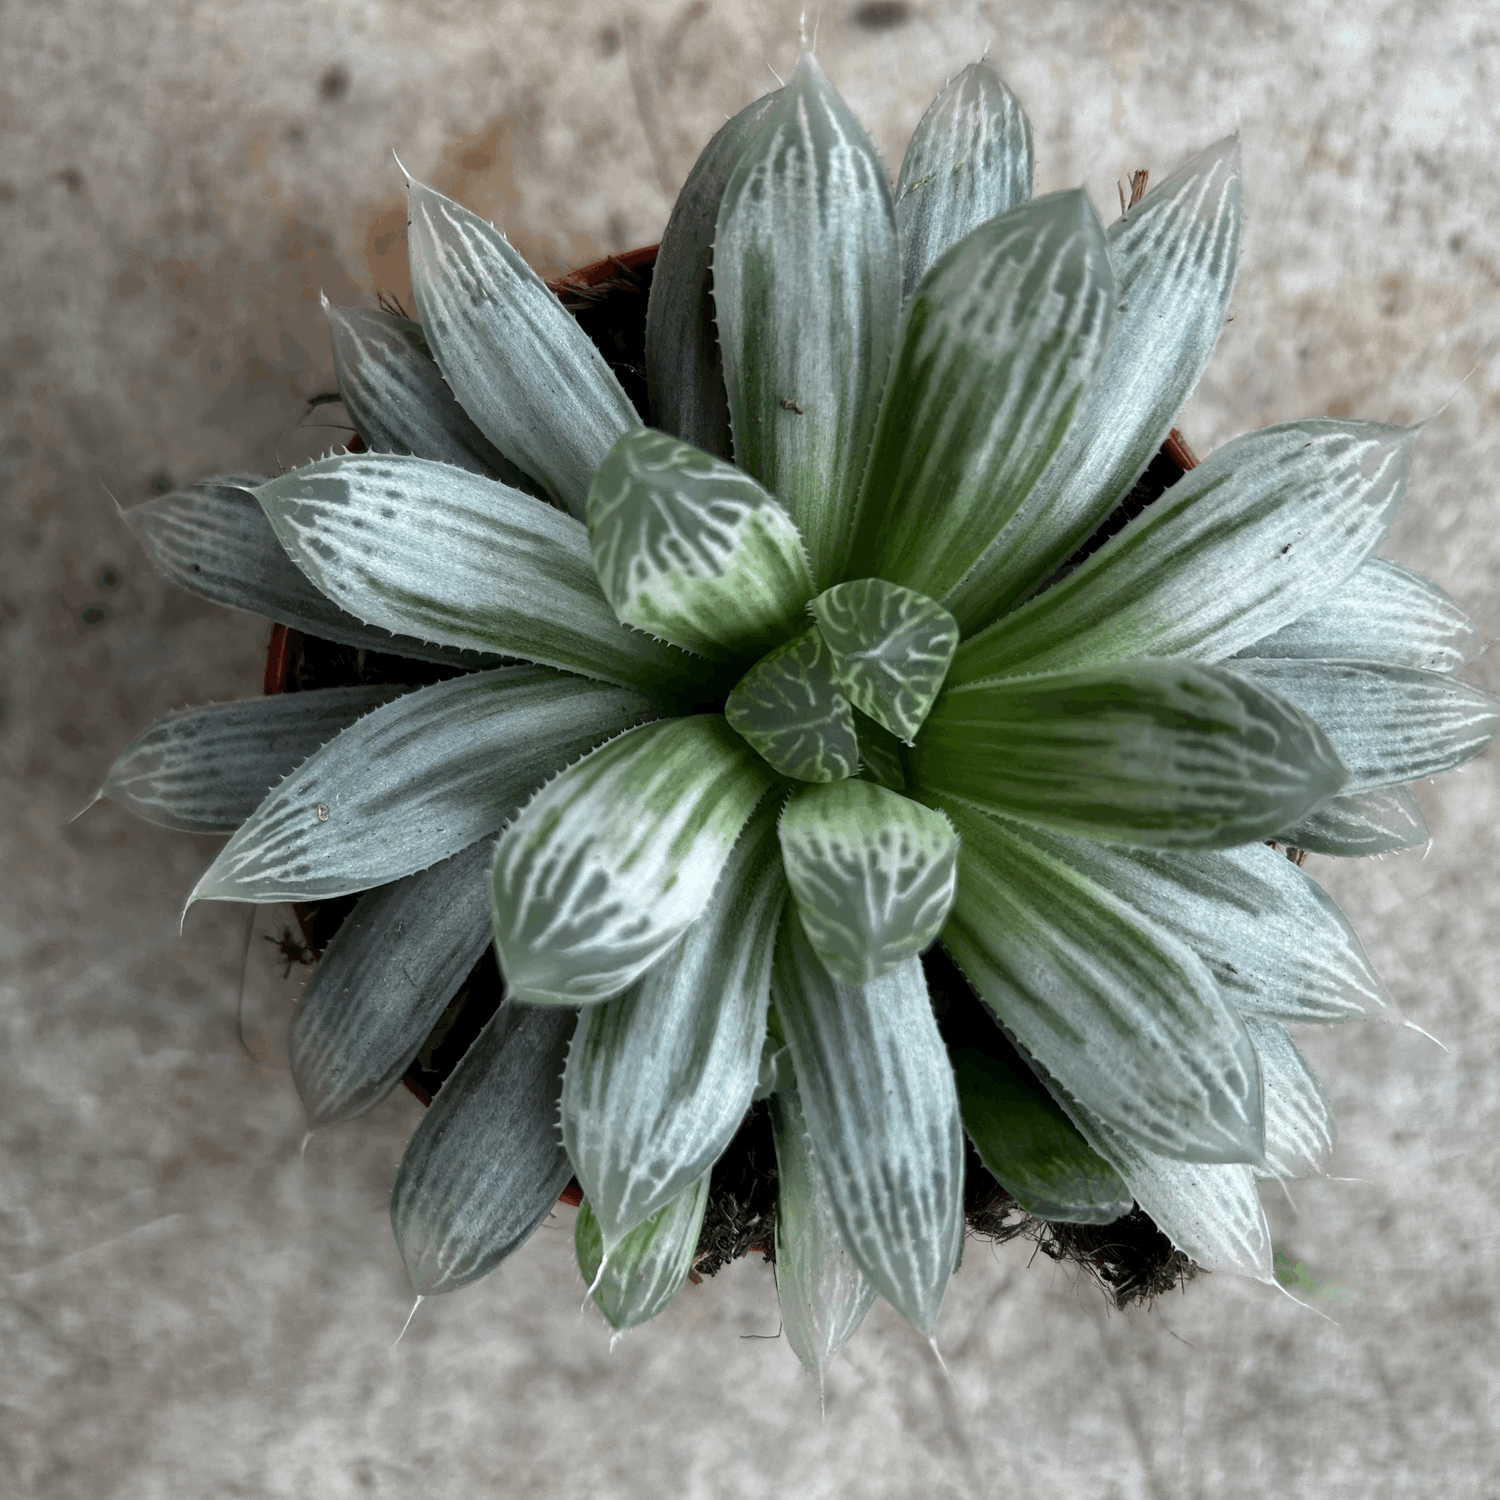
x=692 y=549
x=872 y=873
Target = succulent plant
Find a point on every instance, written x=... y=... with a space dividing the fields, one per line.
x=851 y=652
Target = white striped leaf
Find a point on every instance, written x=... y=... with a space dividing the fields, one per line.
x=1168 y=753
x=995 y=352
x=1388 y=724
x=485 y=1165
x=824 y=1295
x=1299 y=1124
x=519 y=364
x=1174 y=256
x=791 y=709
x=1383 y=613
x=1029 y=1145
x=891 y=648
x=1361 y=824
x=397 y=398
x=684 y=366
x=645 y=1271
x=1123 y=1017
x=968 y=160
x=380 y=986
x=214 y=540
x=882 y=1119
x=807 y=289
x=415 y=782
x=1272 y=937
x=1261 y=531
x=438 y=552
x=205 y=770
x=692 y=549
x=612 y=862
x=872 y=874
x=659 y=1079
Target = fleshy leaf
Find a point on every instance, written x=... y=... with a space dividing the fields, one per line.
x=205 y=770
x=377 y=991
x=968 y=160
x=994 y=354
x=415 y=782
x=659 y=1079
x=438 y=552
x=1272 y=937
x=1383 y=613
x=485 y=1165
x=647 y=1268
x=214 y=540
x=1260 y=532
x=807 y=290
x=1364 y=823
x=1174 y=256
x=397 y=398
x=872 y=874
x=519 y=364
x=1121 y=1015
x=692 y=549
x=1388 y=724
x=684 y=368
x=823 y=1293
x=611 y=862
x=1169 y=753
x=891 y=648
x=882 y=1117
x=791 y=709
x=1299 y=1124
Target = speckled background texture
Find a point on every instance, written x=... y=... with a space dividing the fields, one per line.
x=190 y=1308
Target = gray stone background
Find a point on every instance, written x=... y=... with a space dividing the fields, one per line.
x=190 y=1308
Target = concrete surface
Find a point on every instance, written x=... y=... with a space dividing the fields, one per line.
x=190 y=1309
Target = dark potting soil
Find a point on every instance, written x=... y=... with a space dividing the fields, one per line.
x=1131 y=1258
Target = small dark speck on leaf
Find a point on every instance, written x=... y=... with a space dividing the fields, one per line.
x=1286 y=549
x=334 y=84
x=882 y=15
x=787 y=404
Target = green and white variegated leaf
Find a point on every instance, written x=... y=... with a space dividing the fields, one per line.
x=880 y=758
x=872 y=874
x=823 y=1293
x=684 y=366
x=1174 y=256
x=1388 y=724
x=647 y=1268
x=485 y=1165
x=691 y=549
x=1123 y=1017
x=807 y=290
x=1209 y=1210
x=1261 y=531
x=968 y=160
x=891 y=648
x=1272 y=937
x=659 y=1079
x=776 y=1071
x=518 y=363
x=1169 y=753
x=1030 y=1147
x=995 y=352
x=610 y=863
x=397 y=398
x=396 y=961
x=415 y=782
x=791 y=709
x=1383 y=613
x=205 y=770
x=215 y=541
x=438 y=552
x=882 y=1119
x=1299 y=1124
x=1364 y=823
